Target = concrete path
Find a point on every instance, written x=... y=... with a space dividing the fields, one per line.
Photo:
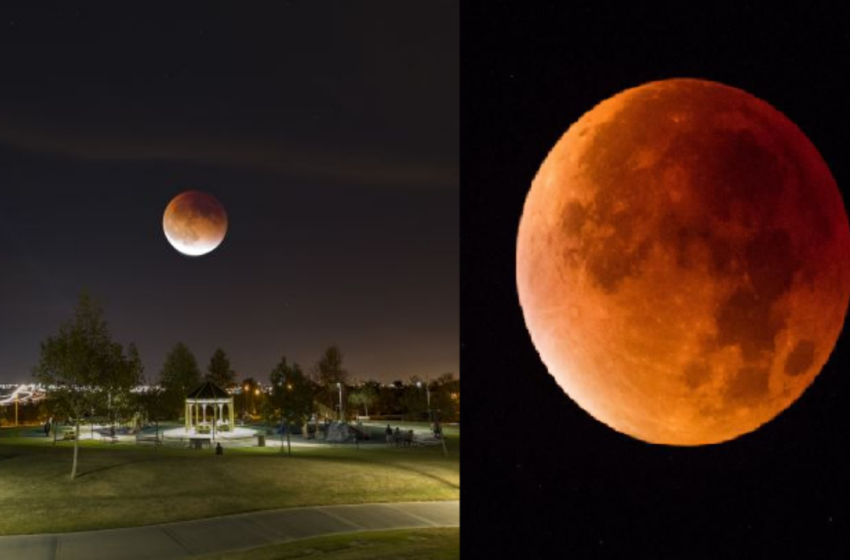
x=220 y=534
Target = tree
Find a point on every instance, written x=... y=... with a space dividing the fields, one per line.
x=292 y=395
x=445 y=397
x=389 y=397
x=219 y=371
x=153 y=400
x=330 y=375
x=364 y=396
x=179 y=375
x=119 y=384
x=329 y=367
x=79 y=362
x=250 y=395
x=413 y=399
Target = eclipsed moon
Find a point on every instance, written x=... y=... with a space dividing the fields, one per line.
x=194 y=223
x=683 y=262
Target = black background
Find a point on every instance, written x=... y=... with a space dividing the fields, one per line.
x=540 y=475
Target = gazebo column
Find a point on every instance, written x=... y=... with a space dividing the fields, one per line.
x=230 y=406
x=221 y=412
x=186 y=415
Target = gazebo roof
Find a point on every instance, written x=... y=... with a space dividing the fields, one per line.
x=208 y=390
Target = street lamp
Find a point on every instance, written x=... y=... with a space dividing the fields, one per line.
x=339 y=386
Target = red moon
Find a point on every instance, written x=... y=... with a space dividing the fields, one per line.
x=194 y=223
x=683 y=262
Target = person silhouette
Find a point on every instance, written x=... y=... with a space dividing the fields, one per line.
x=218 y=449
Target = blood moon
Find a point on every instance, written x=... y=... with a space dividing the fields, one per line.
x=683 y=262
x=194 y=223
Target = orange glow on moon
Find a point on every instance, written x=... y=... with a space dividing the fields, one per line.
x=194 y=223
x=683 y=262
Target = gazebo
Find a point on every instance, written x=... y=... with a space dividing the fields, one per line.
x=204 y=396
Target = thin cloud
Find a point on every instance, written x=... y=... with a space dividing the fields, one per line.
x=290 y=159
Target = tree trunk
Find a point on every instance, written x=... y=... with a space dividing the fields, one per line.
x=76 y=448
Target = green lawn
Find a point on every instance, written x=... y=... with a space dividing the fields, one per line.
x=411 y=544
x=129 y=485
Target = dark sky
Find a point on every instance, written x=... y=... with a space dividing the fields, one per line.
x=555 y=482
x=329 y=131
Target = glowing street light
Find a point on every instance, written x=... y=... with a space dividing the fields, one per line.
x=339 y=386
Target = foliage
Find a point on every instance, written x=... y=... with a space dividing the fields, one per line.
x=82 y=365
x=413 y=400
x=120 y=402
x=248 y=396
x=292 y=394
x=155 y=403
x=445 y=397
x=219 y=372
x=328 y=372
x=365 y=396
x=179 y=375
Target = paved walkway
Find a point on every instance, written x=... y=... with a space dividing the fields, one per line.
x=204 y=536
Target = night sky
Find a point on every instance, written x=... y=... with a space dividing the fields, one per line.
x=329 y=131
x=554 y=482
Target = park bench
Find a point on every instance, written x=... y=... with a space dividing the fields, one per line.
x=68 y=434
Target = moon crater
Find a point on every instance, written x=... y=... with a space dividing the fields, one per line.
x=682 y=262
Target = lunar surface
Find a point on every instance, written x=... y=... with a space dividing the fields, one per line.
x=683 y=262
x=194 y=223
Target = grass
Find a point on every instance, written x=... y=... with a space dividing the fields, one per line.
x=410 y=544
x=128 y=485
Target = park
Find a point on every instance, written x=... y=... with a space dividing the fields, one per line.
x=220 y=469
x=230 y=261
